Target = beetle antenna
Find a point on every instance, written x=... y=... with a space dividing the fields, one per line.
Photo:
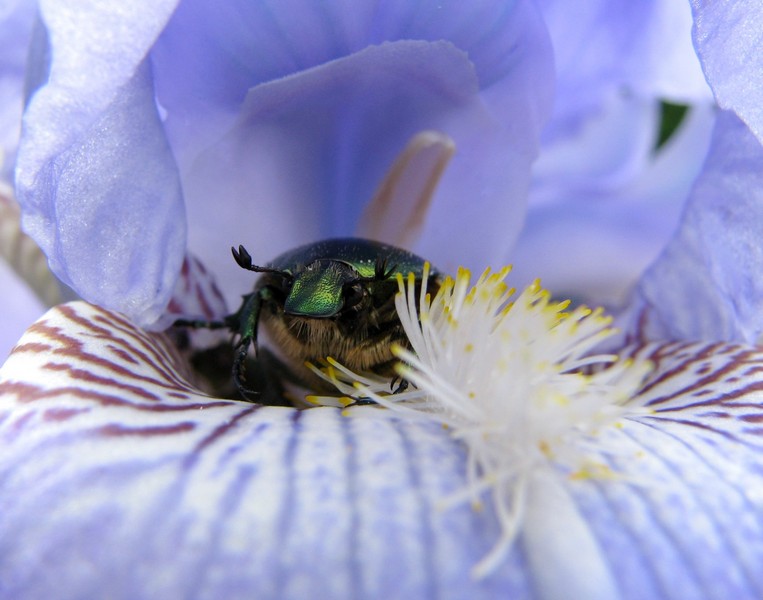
x=244 y=260
x=242 y=257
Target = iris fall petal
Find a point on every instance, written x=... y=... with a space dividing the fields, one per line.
x=139 y=484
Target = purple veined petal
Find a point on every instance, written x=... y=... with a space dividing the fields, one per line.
x=591 y=238
x=682 y=514
x=309 y=150
x=705 y=285
x=700 y=483
x=730 y=46
x=196 y=295
x=154 y=488
x=139 y=484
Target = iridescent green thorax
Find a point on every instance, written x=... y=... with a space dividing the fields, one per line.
x=318 y=289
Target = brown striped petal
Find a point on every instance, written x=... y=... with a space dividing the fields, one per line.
x=120 y=478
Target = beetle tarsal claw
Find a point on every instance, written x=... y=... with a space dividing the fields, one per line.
x=361 y=402
x=402 y=385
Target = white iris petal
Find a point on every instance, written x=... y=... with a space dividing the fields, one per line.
x=516 y=380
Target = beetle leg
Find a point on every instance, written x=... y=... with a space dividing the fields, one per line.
x=245 y=321
x=200 y=324
x=402 y=385
x=361 y=402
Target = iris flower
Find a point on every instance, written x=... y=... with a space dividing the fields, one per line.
x=157 y=135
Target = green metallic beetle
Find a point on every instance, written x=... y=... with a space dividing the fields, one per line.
x=334 y=298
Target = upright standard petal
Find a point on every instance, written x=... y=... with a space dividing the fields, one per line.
x=645 y=48
x=96 y=179
x=706 y=284
x=591 y=236
x=333 y=96
x=210 y=55
x=729 y=41
x=16 y=20
x=107 y=209
x=351 y=117
x=604 y=196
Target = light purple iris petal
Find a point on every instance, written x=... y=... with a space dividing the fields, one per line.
x=600 y=149
x=592 y=239
x=308 y=151
x=107 y=210
x=19 y=307
x=694 y=513
x=123 y=479
x=729 y=40
x=326 y=115
x=603 y=202
x=96 y=179
x=210 y=55
x=644 y=48
x=495 y=69
x=696 y=499
x=615 y=61
x=682 y=514
x=16 y=19
x=706 y=284
x=140 y=485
